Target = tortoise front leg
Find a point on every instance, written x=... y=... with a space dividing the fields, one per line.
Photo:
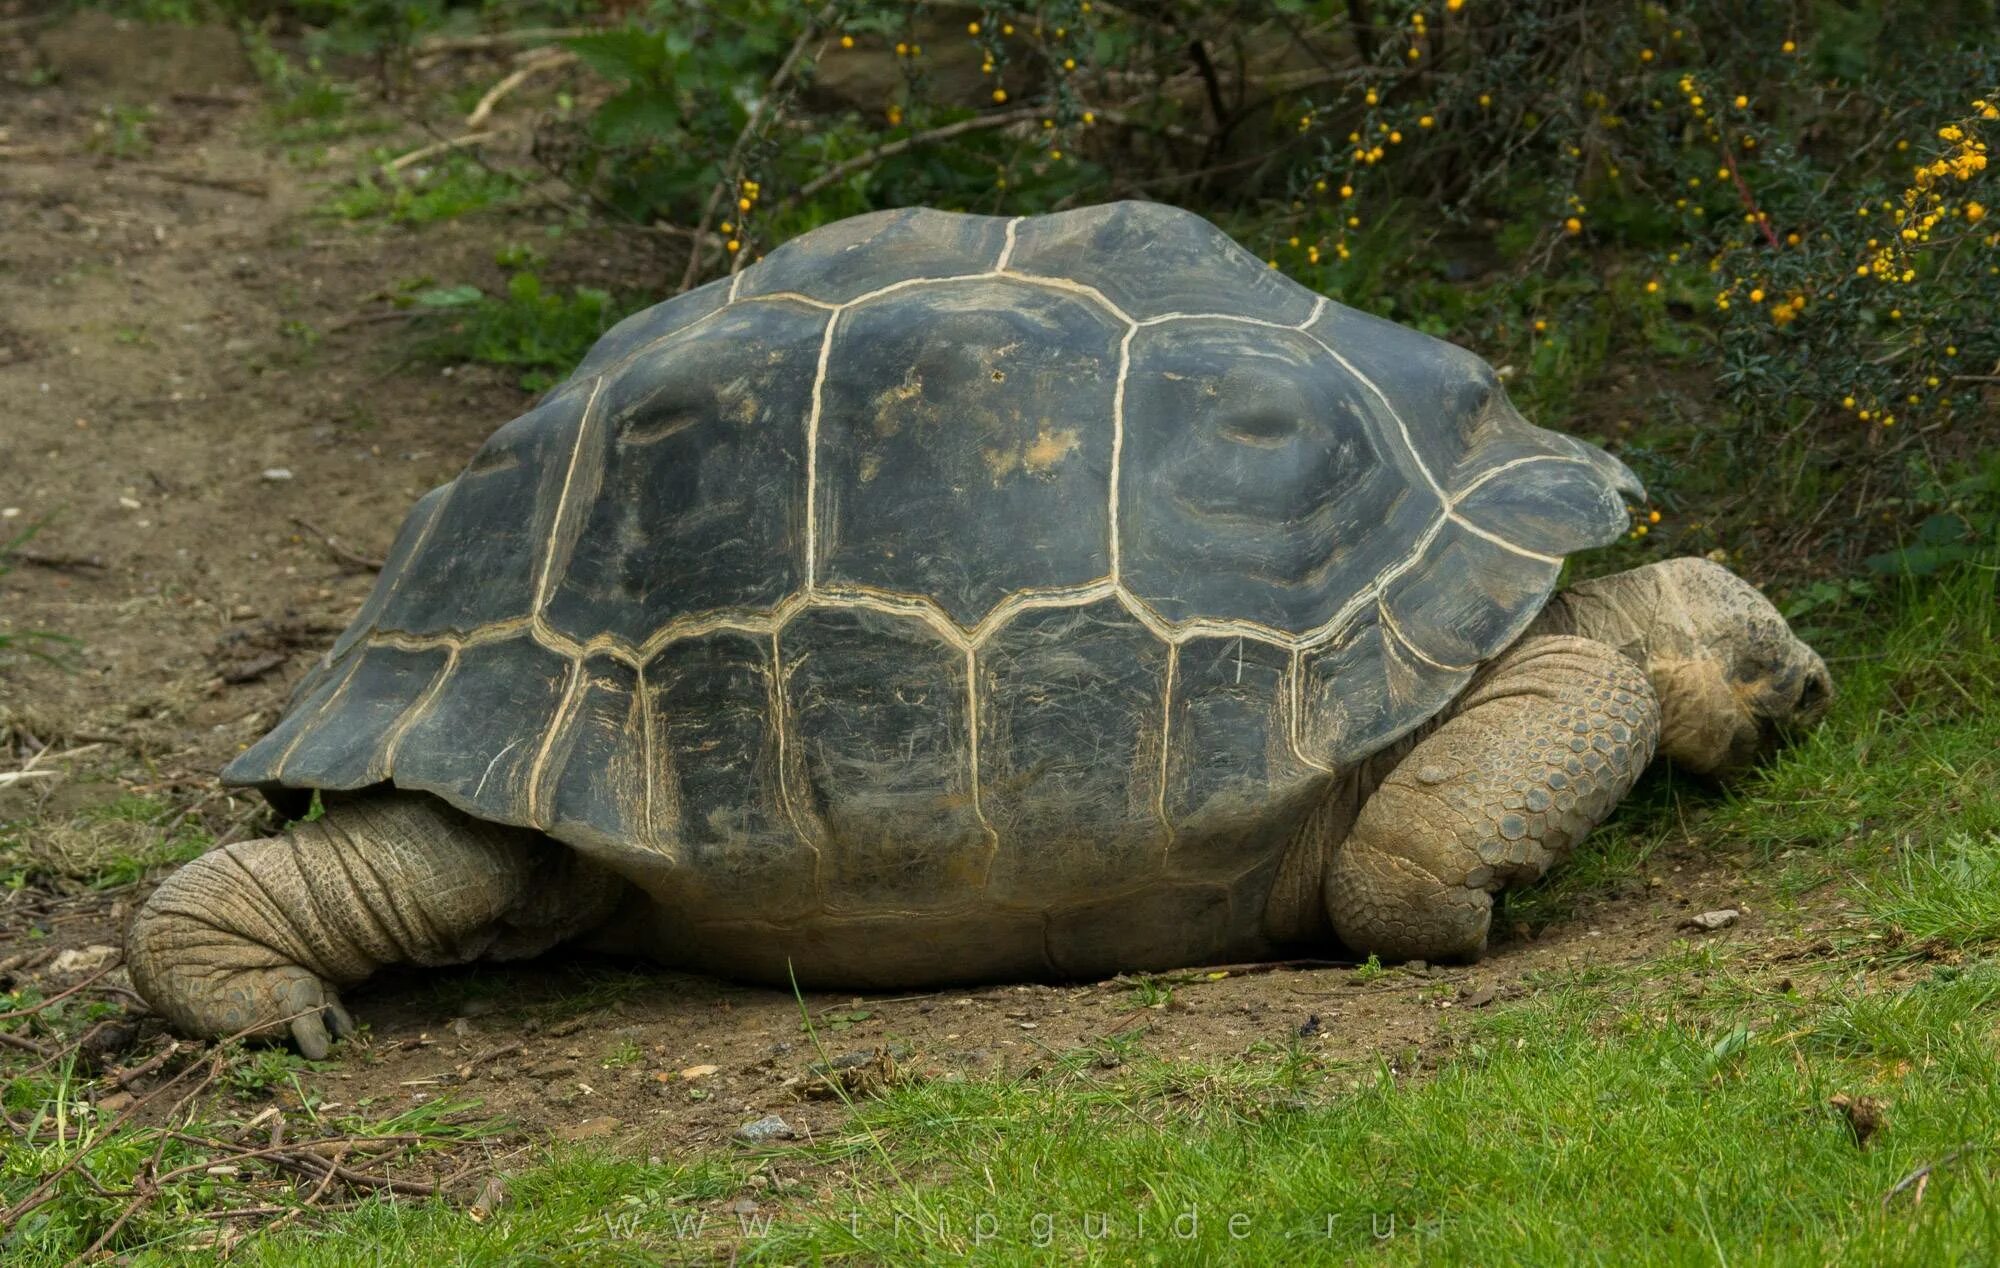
x=1540 y=748
x=256 y=938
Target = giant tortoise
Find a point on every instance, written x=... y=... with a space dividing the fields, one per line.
x=952 y=597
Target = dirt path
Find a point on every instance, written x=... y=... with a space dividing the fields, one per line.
x=193 y=363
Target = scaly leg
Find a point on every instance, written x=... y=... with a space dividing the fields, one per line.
x=258 y=936
x=1540 y=749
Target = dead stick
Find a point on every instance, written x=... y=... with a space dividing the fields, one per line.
x=521 y=76
x=502 y=39
x=57 y=998
x=55 y=560
x=27 y=1045
x=868 y=158
x=1749 y=200
x=416 y=156
x=338 y=551
x=249 y=188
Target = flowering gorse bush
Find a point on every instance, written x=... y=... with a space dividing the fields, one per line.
x=1737 y=242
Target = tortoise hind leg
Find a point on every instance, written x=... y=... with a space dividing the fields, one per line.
x=1540 y=748
x=256 y=938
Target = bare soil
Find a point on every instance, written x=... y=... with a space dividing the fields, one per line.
x=202 y=384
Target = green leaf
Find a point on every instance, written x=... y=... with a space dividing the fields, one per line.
x=632 y=55
x=459 y=296
x=638 y=116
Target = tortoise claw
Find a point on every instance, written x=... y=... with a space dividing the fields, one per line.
x=309 y=1033
x=316 y=1028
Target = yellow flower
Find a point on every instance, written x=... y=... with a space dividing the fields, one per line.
x=1652 y=517
x=733 y=245
x=1069 y=63
x=1412 y=54
x=1652 y=288
x=1485 y=99
x=999 y=95
x=1454 y=5
x=1395 y=138
x=1645 y=54
x=1540 y=326
x=847 y=41
x=1573 y=225
x=1426 y=121
x=1847 y=402
x=1974 y=211
x=1370 y=97
x=972 y=28
x=1757 y=295
x=1788 y=47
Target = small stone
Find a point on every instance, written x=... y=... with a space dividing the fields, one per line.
x=699 y=1071
x=491 y=1198
x=1710 y=921
x=114 y=1102
x=277 y=473
x=590 y=1128
x=130 y=504
x=1480 y=998
x=765 y=1130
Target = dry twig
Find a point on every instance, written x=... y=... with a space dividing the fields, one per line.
x=338 y=551
x=418 y=155
x=553 y=60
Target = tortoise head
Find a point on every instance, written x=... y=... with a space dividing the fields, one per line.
x=1734 y=682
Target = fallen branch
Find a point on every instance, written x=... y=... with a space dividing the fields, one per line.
x=55 y=560
x=438 y=44
x=418 y=155
x=249 y=188
x=1749 y=199
x=9 y=778
x=868 y=158
x=554 y=61
x=338 y=551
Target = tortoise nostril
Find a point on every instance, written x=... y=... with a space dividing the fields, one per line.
x=1814 y=692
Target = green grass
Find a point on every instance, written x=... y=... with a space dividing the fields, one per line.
x=451 y=187
x=100 y=847
x=542 y=332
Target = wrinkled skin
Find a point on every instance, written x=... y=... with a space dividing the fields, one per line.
x=1680 y=658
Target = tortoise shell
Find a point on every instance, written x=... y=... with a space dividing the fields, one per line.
x=947 y=559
